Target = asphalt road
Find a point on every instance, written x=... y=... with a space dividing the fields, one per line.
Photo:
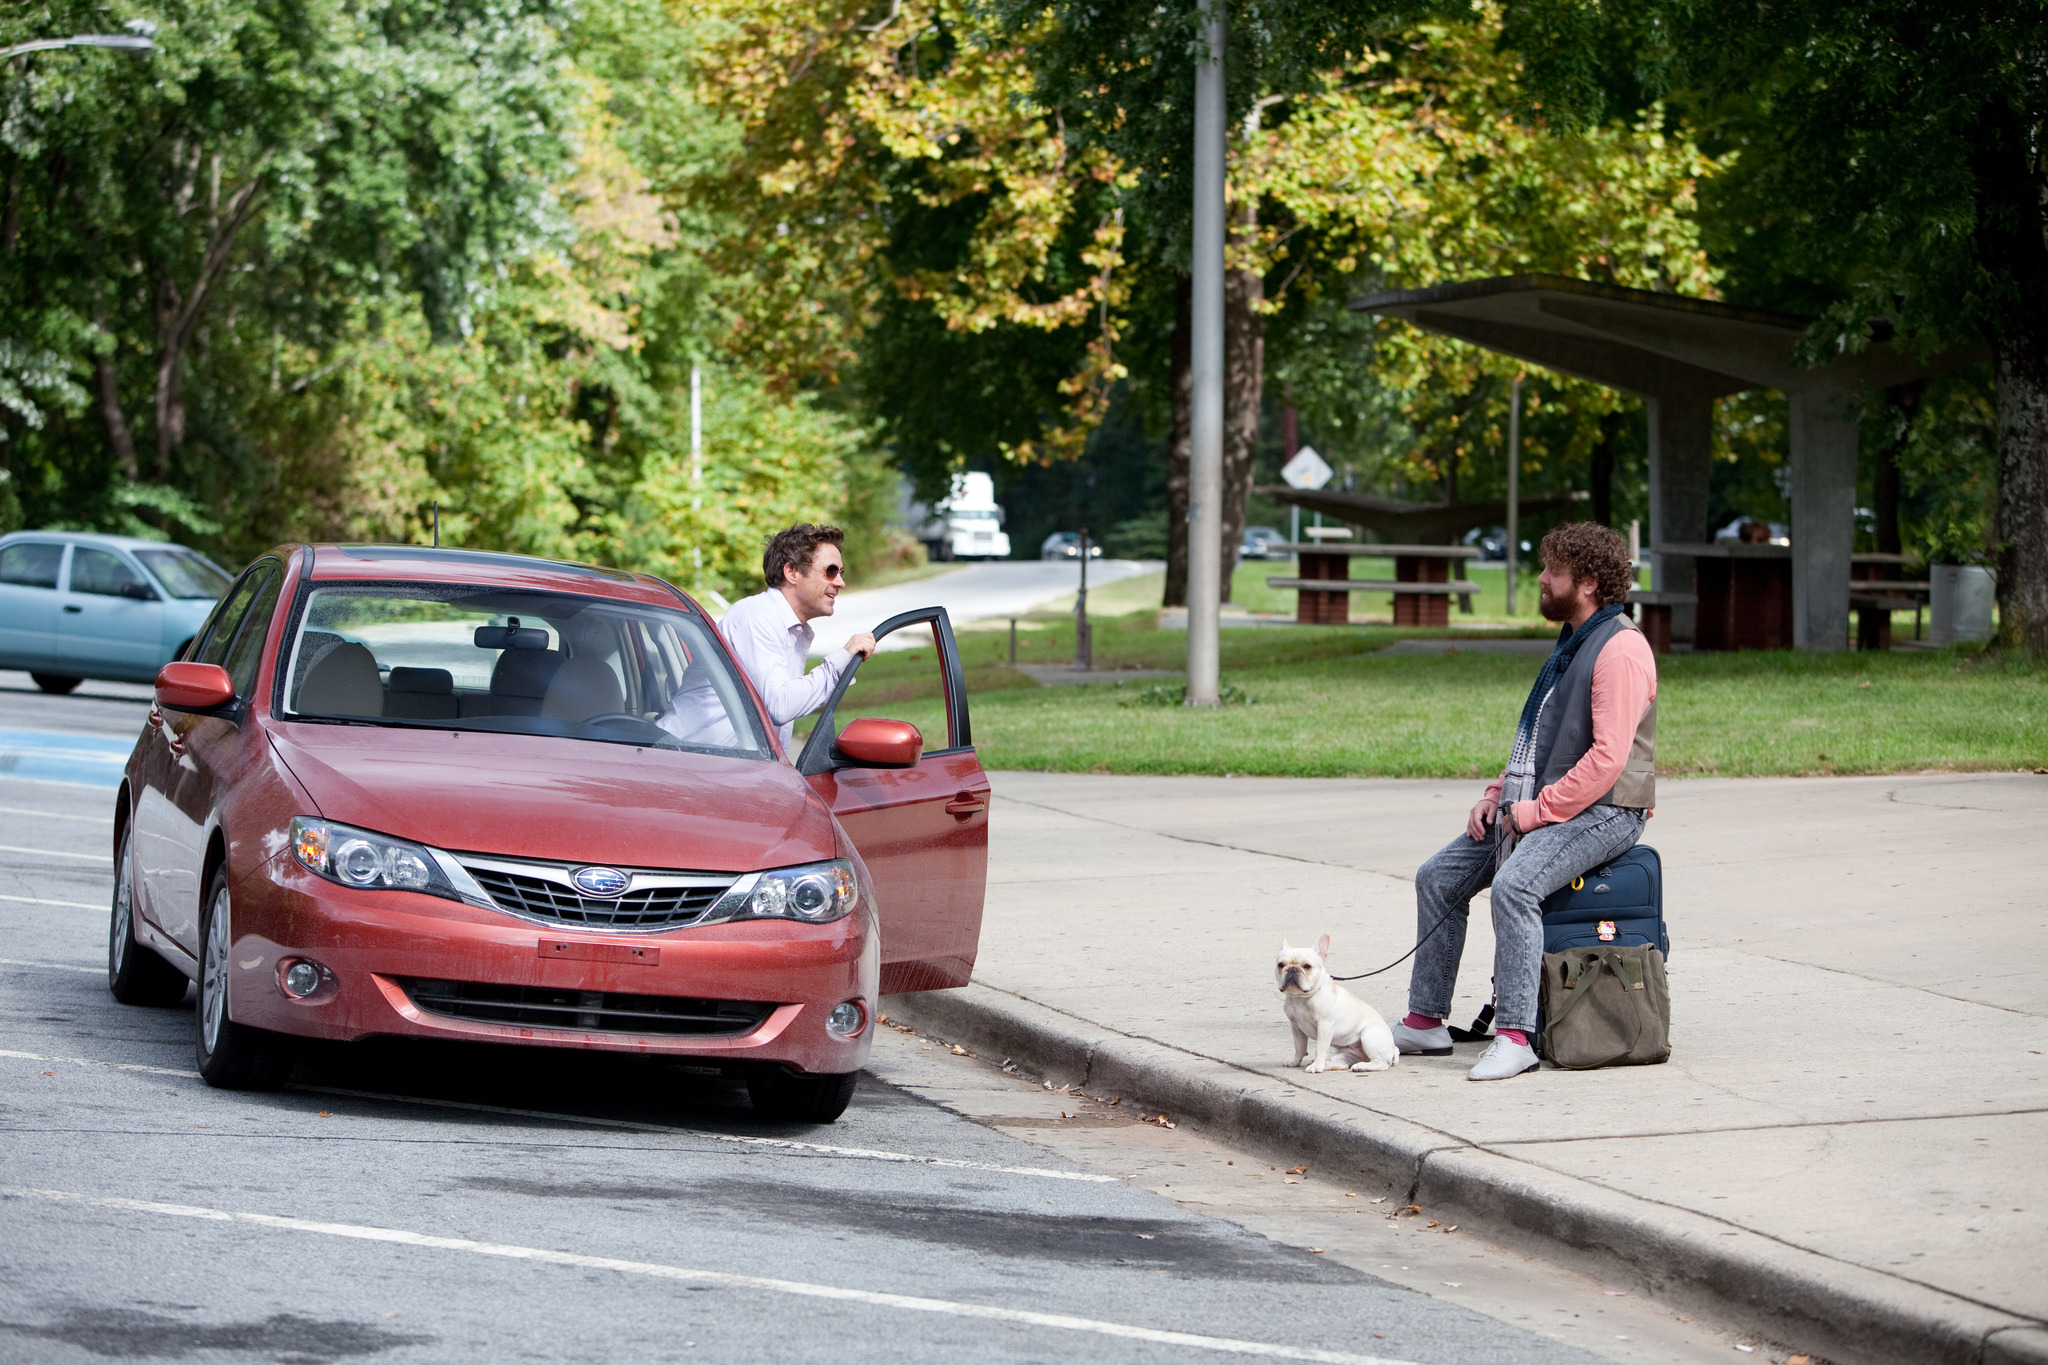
x=403 y=1202
x=972 y=592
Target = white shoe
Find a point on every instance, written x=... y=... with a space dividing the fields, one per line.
x=1434 y=1042
x=1503 y=1059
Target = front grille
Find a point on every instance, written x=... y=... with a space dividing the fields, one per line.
x=600 y=1011
x=659 y=907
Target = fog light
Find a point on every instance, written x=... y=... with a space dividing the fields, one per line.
x=301 y=979
x=847 y=1020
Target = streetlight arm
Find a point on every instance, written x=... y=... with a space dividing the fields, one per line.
x=125 y=42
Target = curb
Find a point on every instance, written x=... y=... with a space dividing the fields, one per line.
x=1839 y=1310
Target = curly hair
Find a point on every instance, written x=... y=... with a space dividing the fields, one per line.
x=1586 y=549
x=795 y=548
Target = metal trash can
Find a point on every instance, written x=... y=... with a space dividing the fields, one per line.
x=1959 y=606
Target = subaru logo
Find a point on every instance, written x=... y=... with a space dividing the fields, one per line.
x=600 y=881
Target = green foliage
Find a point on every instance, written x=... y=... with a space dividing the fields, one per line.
x=338 y=260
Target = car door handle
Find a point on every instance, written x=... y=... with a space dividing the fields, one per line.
x=966 y=804
x=73 y=608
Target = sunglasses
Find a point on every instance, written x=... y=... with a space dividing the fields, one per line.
x=834 y=573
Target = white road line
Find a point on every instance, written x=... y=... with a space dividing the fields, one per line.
x=790 y=1144
x=38 y=900
x=50 y=966
x=111 y=1066
x=908 y=1302
x=107 y=858
x=56 y=815
x=738 y=1139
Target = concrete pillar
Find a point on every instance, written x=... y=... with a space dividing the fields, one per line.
x=1681 y=453
x=1824 y=432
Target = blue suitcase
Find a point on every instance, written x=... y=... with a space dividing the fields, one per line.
x=1620 y=902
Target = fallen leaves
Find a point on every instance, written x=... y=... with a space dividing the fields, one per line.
x=1162 y=1121
x=1297 y=1170
x=1615 y=1293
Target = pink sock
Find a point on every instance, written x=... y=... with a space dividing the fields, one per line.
x=1421 y=1021
x=1513 y=1035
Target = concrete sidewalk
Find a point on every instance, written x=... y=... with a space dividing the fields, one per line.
x=1846 y=1149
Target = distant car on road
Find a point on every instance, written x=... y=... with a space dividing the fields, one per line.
x=1259 y=543
x=76 y=606
x=476 y=797
x=1067 y=545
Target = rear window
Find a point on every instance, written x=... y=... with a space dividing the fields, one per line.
x=184 y=573
x=31 y=564
x=459 y=657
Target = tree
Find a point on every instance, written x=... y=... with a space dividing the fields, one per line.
x=1891 y=159
x=894 y=196
x=286 y=170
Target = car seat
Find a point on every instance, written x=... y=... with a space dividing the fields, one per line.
x=343 y=683
x=421 y=694
x=519 y=682
x=582 y=688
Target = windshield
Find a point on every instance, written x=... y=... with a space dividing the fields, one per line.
x=183 y=573
x=458 y=657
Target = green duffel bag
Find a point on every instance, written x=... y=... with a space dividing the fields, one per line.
x=1606 y=1007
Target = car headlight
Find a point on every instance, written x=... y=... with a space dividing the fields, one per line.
x=816 y=893
x=358 y=858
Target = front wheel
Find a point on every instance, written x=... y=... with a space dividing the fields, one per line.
x=56 y=684
x=232 y=1056
x=135 y=974
x=786 y=1098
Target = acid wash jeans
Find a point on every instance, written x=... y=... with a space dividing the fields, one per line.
x=1546 y=859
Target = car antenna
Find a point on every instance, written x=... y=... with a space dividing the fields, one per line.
x=437 y=523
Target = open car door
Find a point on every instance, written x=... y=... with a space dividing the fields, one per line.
x=921 y=828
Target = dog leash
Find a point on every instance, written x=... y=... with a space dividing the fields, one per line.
x=1441 y=922
x=1402 y=958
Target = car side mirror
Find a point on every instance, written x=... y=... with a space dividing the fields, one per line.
x=193 y=687
x=872 y=742
x=141 y=592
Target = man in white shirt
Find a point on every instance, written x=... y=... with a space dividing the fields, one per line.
x=770 y=632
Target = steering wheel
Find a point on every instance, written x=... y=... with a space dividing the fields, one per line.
x=614 y=717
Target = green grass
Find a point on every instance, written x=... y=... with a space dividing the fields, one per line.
x=1323 y=702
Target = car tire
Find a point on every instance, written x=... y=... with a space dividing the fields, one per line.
x=135 y=973
x=56 y=684
x=783 y=1097
x=231 y=1056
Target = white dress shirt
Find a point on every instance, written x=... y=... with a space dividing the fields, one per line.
x=774 y=648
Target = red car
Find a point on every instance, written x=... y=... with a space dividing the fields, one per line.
x=449 y=794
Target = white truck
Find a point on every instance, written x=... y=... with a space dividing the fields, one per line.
x=967 y=523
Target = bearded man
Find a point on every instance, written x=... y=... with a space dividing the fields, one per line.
x=1578 y=787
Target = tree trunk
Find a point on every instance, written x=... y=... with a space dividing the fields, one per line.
x=1904 y=400
x=1244 y=371
x=2022 y=365
x=1178 y=445
x=118 y=434
x=1602 y=472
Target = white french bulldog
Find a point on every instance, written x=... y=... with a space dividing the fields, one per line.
x=1323 y=1012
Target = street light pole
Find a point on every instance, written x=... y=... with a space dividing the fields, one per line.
x=1514 y=489
x=1205 y=446
x=125 y=42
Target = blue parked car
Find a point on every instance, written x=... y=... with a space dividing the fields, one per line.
x=75 y=605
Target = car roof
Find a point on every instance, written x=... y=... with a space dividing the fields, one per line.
x=430 y=564
x=99 y=538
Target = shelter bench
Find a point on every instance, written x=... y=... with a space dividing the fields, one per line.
x=1422 y=587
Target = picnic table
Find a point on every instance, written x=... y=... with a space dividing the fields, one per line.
x=1744 y=595
x=1422 y=586
x=1653 y=614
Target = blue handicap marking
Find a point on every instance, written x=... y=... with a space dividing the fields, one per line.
x=88 y=760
